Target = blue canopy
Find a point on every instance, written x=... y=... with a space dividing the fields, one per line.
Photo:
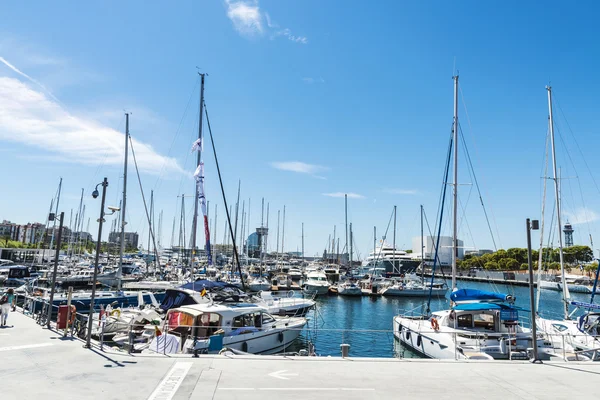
x=478 y=295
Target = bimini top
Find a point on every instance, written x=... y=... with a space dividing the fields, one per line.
x=473 y=295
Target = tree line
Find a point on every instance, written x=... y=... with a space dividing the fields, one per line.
x=516 y=259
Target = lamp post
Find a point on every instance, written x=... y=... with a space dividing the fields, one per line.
x=52 y=217
x=98 y=245
x=532 y=225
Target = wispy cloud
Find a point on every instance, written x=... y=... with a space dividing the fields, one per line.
x=342 y=194
x=300 y=167
x=30 y=117
x=581 y=215
x=310 y=80
x=248 y=20
x=24 y=75
x=245 y=16
x=410 y=192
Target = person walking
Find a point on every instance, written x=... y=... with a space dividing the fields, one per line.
x=7 y=300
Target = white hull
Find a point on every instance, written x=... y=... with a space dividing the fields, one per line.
x=315 y=289
x=349 y=291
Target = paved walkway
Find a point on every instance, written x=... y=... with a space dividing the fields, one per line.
x=37 y=363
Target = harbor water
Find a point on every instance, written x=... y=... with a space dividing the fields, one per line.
x=365 y=323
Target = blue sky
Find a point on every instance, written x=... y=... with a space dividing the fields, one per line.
x=307 y=100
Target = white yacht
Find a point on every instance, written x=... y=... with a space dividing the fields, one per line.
x=316 y=283
x=259 y=284
x=284 y=305
x=349 y=289
x=395 y=262
x=412 y=286
x=211 y=327
x=482 y=325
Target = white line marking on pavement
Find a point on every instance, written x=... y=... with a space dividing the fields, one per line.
x=283 y=374
x=26 y=346
x=304 y=389
x=167 y=388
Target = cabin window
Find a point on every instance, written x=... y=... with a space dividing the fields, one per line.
x=485 y=321
x=559 y=327
x=464 y=321
x=180 y=323
x=267 y=319
x=208 y=324
x=245 y=320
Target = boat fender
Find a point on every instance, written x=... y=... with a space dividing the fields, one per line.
x=434 y=324
x=245 y=347
x=280 y=337
x=116 y=313
x=73 y=314
x=290 y=294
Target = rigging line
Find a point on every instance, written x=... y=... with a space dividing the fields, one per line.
x=437 y=245
x=150 y=226
x=468 y=226
x=444 y=183
x=235 y=250
x=464 y=103
x=177 y=132
x=431 y=235
x=385 y=236
x=479 y=191
x=575 y=139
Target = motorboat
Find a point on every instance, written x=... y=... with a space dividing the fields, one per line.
x=284 y=305
x=481 y=326
x=349 y=289
x=204 y=328
x=295 y=274
x=413 y=287
x=575 y=284
x=316 y=283
x=259 y=284
x=332 y=271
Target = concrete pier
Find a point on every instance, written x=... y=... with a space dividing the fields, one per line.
x=37 y=363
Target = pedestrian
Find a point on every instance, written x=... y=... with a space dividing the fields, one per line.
x=7 y=300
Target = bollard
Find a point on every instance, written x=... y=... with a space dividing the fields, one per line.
x=345 y=348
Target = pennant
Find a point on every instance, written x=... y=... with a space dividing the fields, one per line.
x=203 y=293
x=197 y=145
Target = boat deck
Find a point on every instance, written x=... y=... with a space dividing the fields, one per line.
x=37 y=361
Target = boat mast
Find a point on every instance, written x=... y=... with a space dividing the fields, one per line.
x=199 y=157
x=455 y=184
x=282 y=231
x=541 y=252
x=394 y=245
x=303 y=245
x=557 y=196
x=350 y=245
x=123 y=214
x=346 y=223
x=55 y=213
x=422 y=251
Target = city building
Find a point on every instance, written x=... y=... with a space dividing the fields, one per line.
x=131 y=239
x=9 y=230
x=478 y=253
x=444 y=249
x=252 y=245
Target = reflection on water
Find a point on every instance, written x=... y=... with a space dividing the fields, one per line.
x=365 y=323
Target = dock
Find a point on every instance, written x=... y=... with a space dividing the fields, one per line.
x=37 y=361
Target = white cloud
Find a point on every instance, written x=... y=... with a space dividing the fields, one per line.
x=23 y=74
x=30 y=117
x=342 y=194
x=300 y=167
x=411 y=192
x=247 y=19
x=245 y=16
x=581 y=215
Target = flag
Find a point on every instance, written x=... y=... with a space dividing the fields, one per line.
x=199 y=176
x=197 y=145
x=203 y=293
x=157 y=331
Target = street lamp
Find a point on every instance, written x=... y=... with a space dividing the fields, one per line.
x=95 y=195
x=52 y=217
x=532 y=225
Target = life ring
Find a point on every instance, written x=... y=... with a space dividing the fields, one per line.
x=73 y=314
x=434 y=324
x=116 y=312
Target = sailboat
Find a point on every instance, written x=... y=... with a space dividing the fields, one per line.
x=580 y=337
x=480 y=325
